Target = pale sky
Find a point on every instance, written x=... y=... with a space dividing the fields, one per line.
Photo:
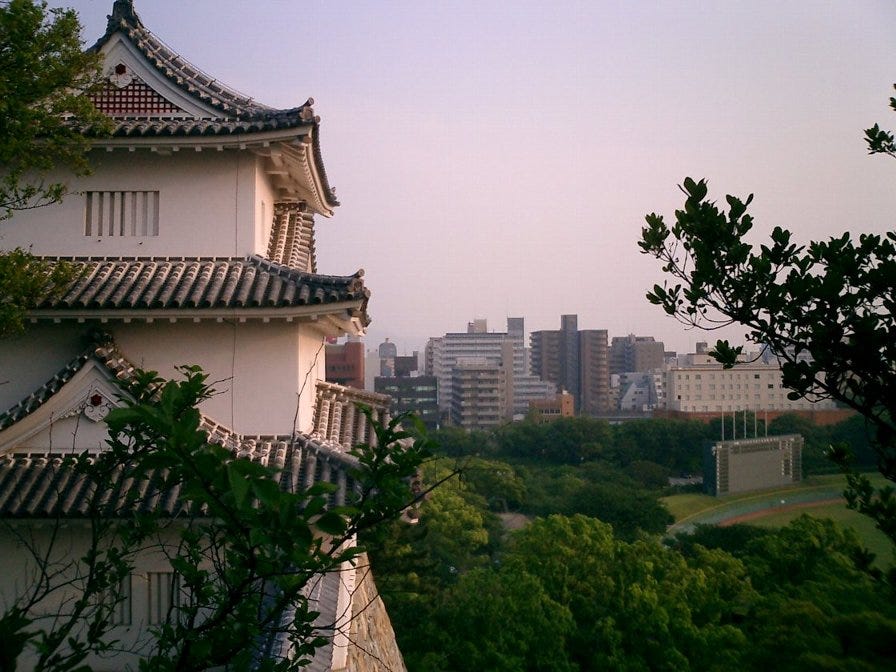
x=497 y=159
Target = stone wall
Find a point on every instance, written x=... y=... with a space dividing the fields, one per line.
x=373 y=647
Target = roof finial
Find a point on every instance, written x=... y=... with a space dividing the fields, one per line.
x=122 y=11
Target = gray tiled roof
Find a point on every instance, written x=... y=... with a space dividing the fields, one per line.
x=185 y=283
x=179 y=127
x=50 y=485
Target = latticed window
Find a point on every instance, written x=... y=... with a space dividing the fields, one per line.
x=121 y=213
x=164 y=595
x=121 y=611
x=135 y=99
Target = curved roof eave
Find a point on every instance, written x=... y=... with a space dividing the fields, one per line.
x=176 y=69
x=241 y=115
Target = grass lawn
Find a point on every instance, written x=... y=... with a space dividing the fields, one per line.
x=684 y=506
x=693 y=507
x=694 y=504
x=874 y=539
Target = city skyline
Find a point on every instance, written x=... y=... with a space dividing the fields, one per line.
x=497 y=159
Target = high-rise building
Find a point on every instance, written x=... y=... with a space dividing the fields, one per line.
x=504 y=349
x=594 y=372
x=632 y=353
x=387 y=352
x=570 y=375
x=577 y=361
x=480 y=397
x=345 y=364
x=409 y=392
x=412 y=394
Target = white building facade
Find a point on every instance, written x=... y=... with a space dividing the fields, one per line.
x=696 y=383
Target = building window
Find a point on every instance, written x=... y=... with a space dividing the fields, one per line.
x=164 y=595
x=132 y=214
x=121 y=611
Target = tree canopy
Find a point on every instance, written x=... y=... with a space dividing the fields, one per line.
x=45 y=78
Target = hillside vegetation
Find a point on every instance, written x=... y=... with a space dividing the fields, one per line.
x=589 y=583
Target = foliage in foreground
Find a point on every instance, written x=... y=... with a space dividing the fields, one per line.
x=45 y=78
x=565 y=593
x=243 y=549
x=24 y=280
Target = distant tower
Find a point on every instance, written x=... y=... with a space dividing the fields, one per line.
x=387 y=352
x=577 y=361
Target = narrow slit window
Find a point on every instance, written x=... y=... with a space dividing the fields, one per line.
x=126 y=214
x=122 y=609
x=164 y=595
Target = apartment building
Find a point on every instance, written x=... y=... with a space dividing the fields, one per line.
x=498 y=349
x=577 y=361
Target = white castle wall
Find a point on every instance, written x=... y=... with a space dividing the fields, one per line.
x=209 y=205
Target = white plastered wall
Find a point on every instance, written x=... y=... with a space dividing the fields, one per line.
x=265 y=197
x=31 y=359
x=69 y=540
x=208 y=206
x=258 y=369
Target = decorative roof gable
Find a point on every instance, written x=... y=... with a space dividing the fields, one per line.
x=134 y=98
x=125 y=23
x=153 y=95
x=41 y=483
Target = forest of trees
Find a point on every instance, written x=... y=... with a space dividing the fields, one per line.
x=589 y=583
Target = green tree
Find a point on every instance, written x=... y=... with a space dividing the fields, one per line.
x=501 y=620
x=497 y=482
x=598 y=490
x=45 y=79
x=23 y=281
x=827 y=310
x=648 y=474
x=820 y=606
x=636 y=606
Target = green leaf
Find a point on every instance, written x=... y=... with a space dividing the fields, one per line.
x=239 y=485
x=331 y=523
